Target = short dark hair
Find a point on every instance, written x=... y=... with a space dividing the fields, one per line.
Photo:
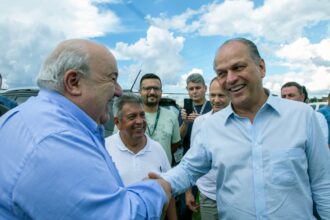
x=150 y=76
x=301 y=89
x=295 y=84
x=119 y=102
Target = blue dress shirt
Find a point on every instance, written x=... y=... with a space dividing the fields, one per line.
x=272 y=169
x=53 y=165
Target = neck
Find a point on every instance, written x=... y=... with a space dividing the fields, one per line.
x=134 y=145
x=150 y=109
x=199 y=102
x=251 y=110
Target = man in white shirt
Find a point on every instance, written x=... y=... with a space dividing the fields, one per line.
x=133 y=152
x=207 y=183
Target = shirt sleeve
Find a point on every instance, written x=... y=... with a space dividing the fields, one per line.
x=195 y=163
x=176 y=131
x=318 y=156
x=68 y=177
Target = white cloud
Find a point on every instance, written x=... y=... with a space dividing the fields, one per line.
x=159 y=52
x=309 y=64
x=274 y=20
x=178 y=22
x=30 y=29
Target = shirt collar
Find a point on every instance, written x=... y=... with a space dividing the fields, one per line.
x=122 y=146
x=271 y=104
x=73 y=109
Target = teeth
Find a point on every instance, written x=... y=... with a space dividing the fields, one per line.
x=236 y=88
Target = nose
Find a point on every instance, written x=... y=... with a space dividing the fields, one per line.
x=139 y=120
x=231 y=77
x=217 y=99
x=118 y=90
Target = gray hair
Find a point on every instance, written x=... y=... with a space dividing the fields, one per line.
x=119 y=102
x=195 y=78
x=71 y=54
x=253 y=50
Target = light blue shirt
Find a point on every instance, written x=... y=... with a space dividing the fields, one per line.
x=272 y=169
x=53 y=165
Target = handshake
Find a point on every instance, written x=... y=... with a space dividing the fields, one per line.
x=167 y=189
x=163 y=183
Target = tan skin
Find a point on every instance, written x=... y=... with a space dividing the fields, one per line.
x=132 y=127
x=219 y=100
x=92 y=93
x=151 y=99
x=241 y=77
x=292 y=93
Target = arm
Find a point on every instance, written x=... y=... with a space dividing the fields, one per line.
x=183 y=123
x=190 y=201
x=186 y=119
x=318 y=156
x=76 y=178
x=196 y=162
x=171 y=210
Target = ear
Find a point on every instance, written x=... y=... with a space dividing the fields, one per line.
x=117 y=123
x=72 y=82
x=262 y=68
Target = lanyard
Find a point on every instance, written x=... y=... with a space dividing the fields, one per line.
x=202 y=109
x=155 y=125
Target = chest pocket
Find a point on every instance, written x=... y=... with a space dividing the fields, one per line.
x=284 y=164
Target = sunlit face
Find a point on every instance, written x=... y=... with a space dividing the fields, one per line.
x=151 y=92
x=239 y=75
x=218 y=97
x=101 y=85
x=196 y=91
x=133 y=123
x=292 y=93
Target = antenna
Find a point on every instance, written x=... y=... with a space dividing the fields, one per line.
x=137 y=76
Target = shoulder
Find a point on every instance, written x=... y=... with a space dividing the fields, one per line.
x=321 y=117
x=201 y=118
x=325 y=109
x=155 y=146
x=168 y=114
x=112 y=141
x=289 y=106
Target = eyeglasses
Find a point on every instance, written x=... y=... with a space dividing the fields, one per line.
x=149 y=88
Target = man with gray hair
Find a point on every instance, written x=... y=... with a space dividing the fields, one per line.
x=135 y=153
x=53 y=162
x=196 y=88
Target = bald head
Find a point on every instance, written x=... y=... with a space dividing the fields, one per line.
x=85 y=73
x=74 y=54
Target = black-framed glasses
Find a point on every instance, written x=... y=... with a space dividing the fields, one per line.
x=149 y=88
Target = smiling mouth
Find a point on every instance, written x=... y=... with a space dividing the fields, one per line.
x=236 y=88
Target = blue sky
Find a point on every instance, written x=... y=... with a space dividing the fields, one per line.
x=171 y=38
